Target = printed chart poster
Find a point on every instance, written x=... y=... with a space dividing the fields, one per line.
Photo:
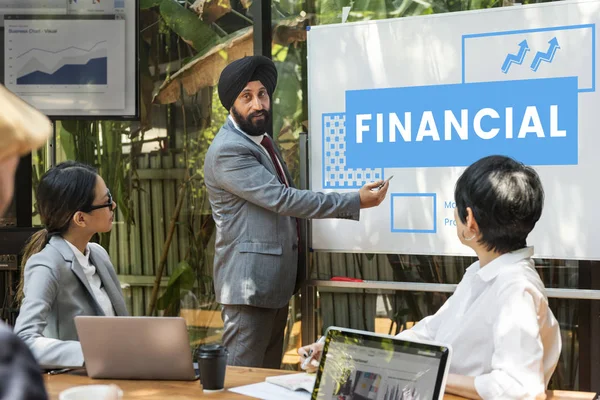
x=421 y=98
x=57 y=64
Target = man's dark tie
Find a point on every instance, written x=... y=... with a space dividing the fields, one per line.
x=268 y=145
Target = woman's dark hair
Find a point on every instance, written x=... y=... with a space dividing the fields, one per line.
x=63 y=190
x=506 y=197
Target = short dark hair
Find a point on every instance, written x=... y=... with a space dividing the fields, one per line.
x=506 y=197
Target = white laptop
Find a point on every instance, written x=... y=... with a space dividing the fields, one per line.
x=363 y=365
x=154 y=348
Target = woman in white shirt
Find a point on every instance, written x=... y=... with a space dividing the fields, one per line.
x=505 y=339
x=64 y=275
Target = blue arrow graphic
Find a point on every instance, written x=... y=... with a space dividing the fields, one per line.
x=547 y=56
x=515 y=58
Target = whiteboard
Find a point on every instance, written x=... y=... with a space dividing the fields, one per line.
x=421 y=98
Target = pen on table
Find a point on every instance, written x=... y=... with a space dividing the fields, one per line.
x=59 y=371
x=310 y=353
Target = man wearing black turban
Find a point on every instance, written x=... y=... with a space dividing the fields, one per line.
x=255 y=207
x=236 y=76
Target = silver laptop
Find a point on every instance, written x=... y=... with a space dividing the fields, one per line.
x=363 y=365
x=154 y=348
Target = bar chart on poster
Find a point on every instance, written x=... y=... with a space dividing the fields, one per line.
x=74 y=62
x=421 y=98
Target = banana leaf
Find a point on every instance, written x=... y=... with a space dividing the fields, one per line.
x=146 y=4
x=211 y=10
x=204 y=69
x=187 y=25
x=182 y=280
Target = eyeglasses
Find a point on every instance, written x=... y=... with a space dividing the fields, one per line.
x=108 y=204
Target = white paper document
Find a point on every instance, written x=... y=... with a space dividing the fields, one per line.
x=268 y=391
x=302 y=381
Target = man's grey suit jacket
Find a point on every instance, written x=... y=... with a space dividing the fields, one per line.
x=56 y=291
x=256 y=250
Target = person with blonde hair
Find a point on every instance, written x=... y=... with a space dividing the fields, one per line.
x=22 y=129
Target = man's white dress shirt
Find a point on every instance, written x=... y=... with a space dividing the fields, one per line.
x=500 y=328
x=258 y=140
x=93 y=279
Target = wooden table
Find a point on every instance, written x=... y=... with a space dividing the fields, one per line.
x=235 y=376
x=163 y=390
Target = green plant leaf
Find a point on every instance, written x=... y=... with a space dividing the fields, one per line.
x=204 y=69
x=368 y=10
x=123 y=200
x=66 y=138
x=182 y=279
x=184 y=274
x=146 y=86
x=286 y=97
x=187 y=25
x=146 y=4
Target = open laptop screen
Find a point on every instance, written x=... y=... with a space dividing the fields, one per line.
x=360 y=365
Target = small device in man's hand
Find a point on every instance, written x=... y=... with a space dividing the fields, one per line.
x=384 y=182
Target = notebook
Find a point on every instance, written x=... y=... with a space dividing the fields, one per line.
x=294 y=382
x=268 y=391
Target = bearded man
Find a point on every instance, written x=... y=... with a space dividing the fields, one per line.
x=255 y=207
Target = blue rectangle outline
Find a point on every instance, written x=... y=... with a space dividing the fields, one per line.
x=521 y=31
x=323 y=154
x=434 y=195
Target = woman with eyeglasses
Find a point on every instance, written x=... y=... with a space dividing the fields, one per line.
x=63 y=274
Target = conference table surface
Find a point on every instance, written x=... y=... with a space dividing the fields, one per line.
x=235 y=376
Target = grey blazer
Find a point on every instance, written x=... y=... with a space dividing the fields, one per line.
x=56 y=291
x=256 y=249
